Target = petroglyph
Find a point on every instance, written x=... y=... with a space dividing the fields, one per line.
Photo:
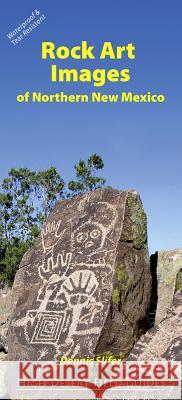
x=72 y=275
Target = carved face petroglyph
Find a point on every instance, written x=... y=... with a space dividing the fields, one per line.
x=89 y=235
x=88 y=238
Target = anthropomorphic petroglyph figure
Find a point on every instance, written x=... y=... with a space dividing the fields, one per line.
x=90 y=236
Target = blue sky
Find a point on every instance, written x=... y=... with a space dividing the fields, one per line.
x=140 y=143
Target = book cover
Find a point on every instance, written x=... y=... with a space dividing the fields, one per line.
x=90 y=199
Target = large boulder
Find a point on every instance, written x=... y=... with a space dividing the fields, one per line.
x=164 y=341
x=169 y=265
x=84 y=288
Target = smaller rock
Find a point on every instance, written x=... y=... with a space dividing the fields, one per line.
x=2 y=355
x=5 y=311
x=3 y=333
x=5 y=304
x=169 y=263
x=163 y=341
x=178 y=281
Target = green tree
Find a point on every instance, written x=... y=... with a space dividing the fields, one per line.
x=86 y=174
x=19 y=190
x=6 y=202
x=50 y=189
x=26 y=199
x=10 y=258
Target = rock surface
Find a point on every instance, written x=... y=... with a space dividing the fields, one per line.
x=84 y=288
x=169 y=264
x=165 y=340
x=5 y=311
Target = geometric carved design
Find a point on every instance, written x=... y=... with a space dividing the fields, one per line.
x=48 y=327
